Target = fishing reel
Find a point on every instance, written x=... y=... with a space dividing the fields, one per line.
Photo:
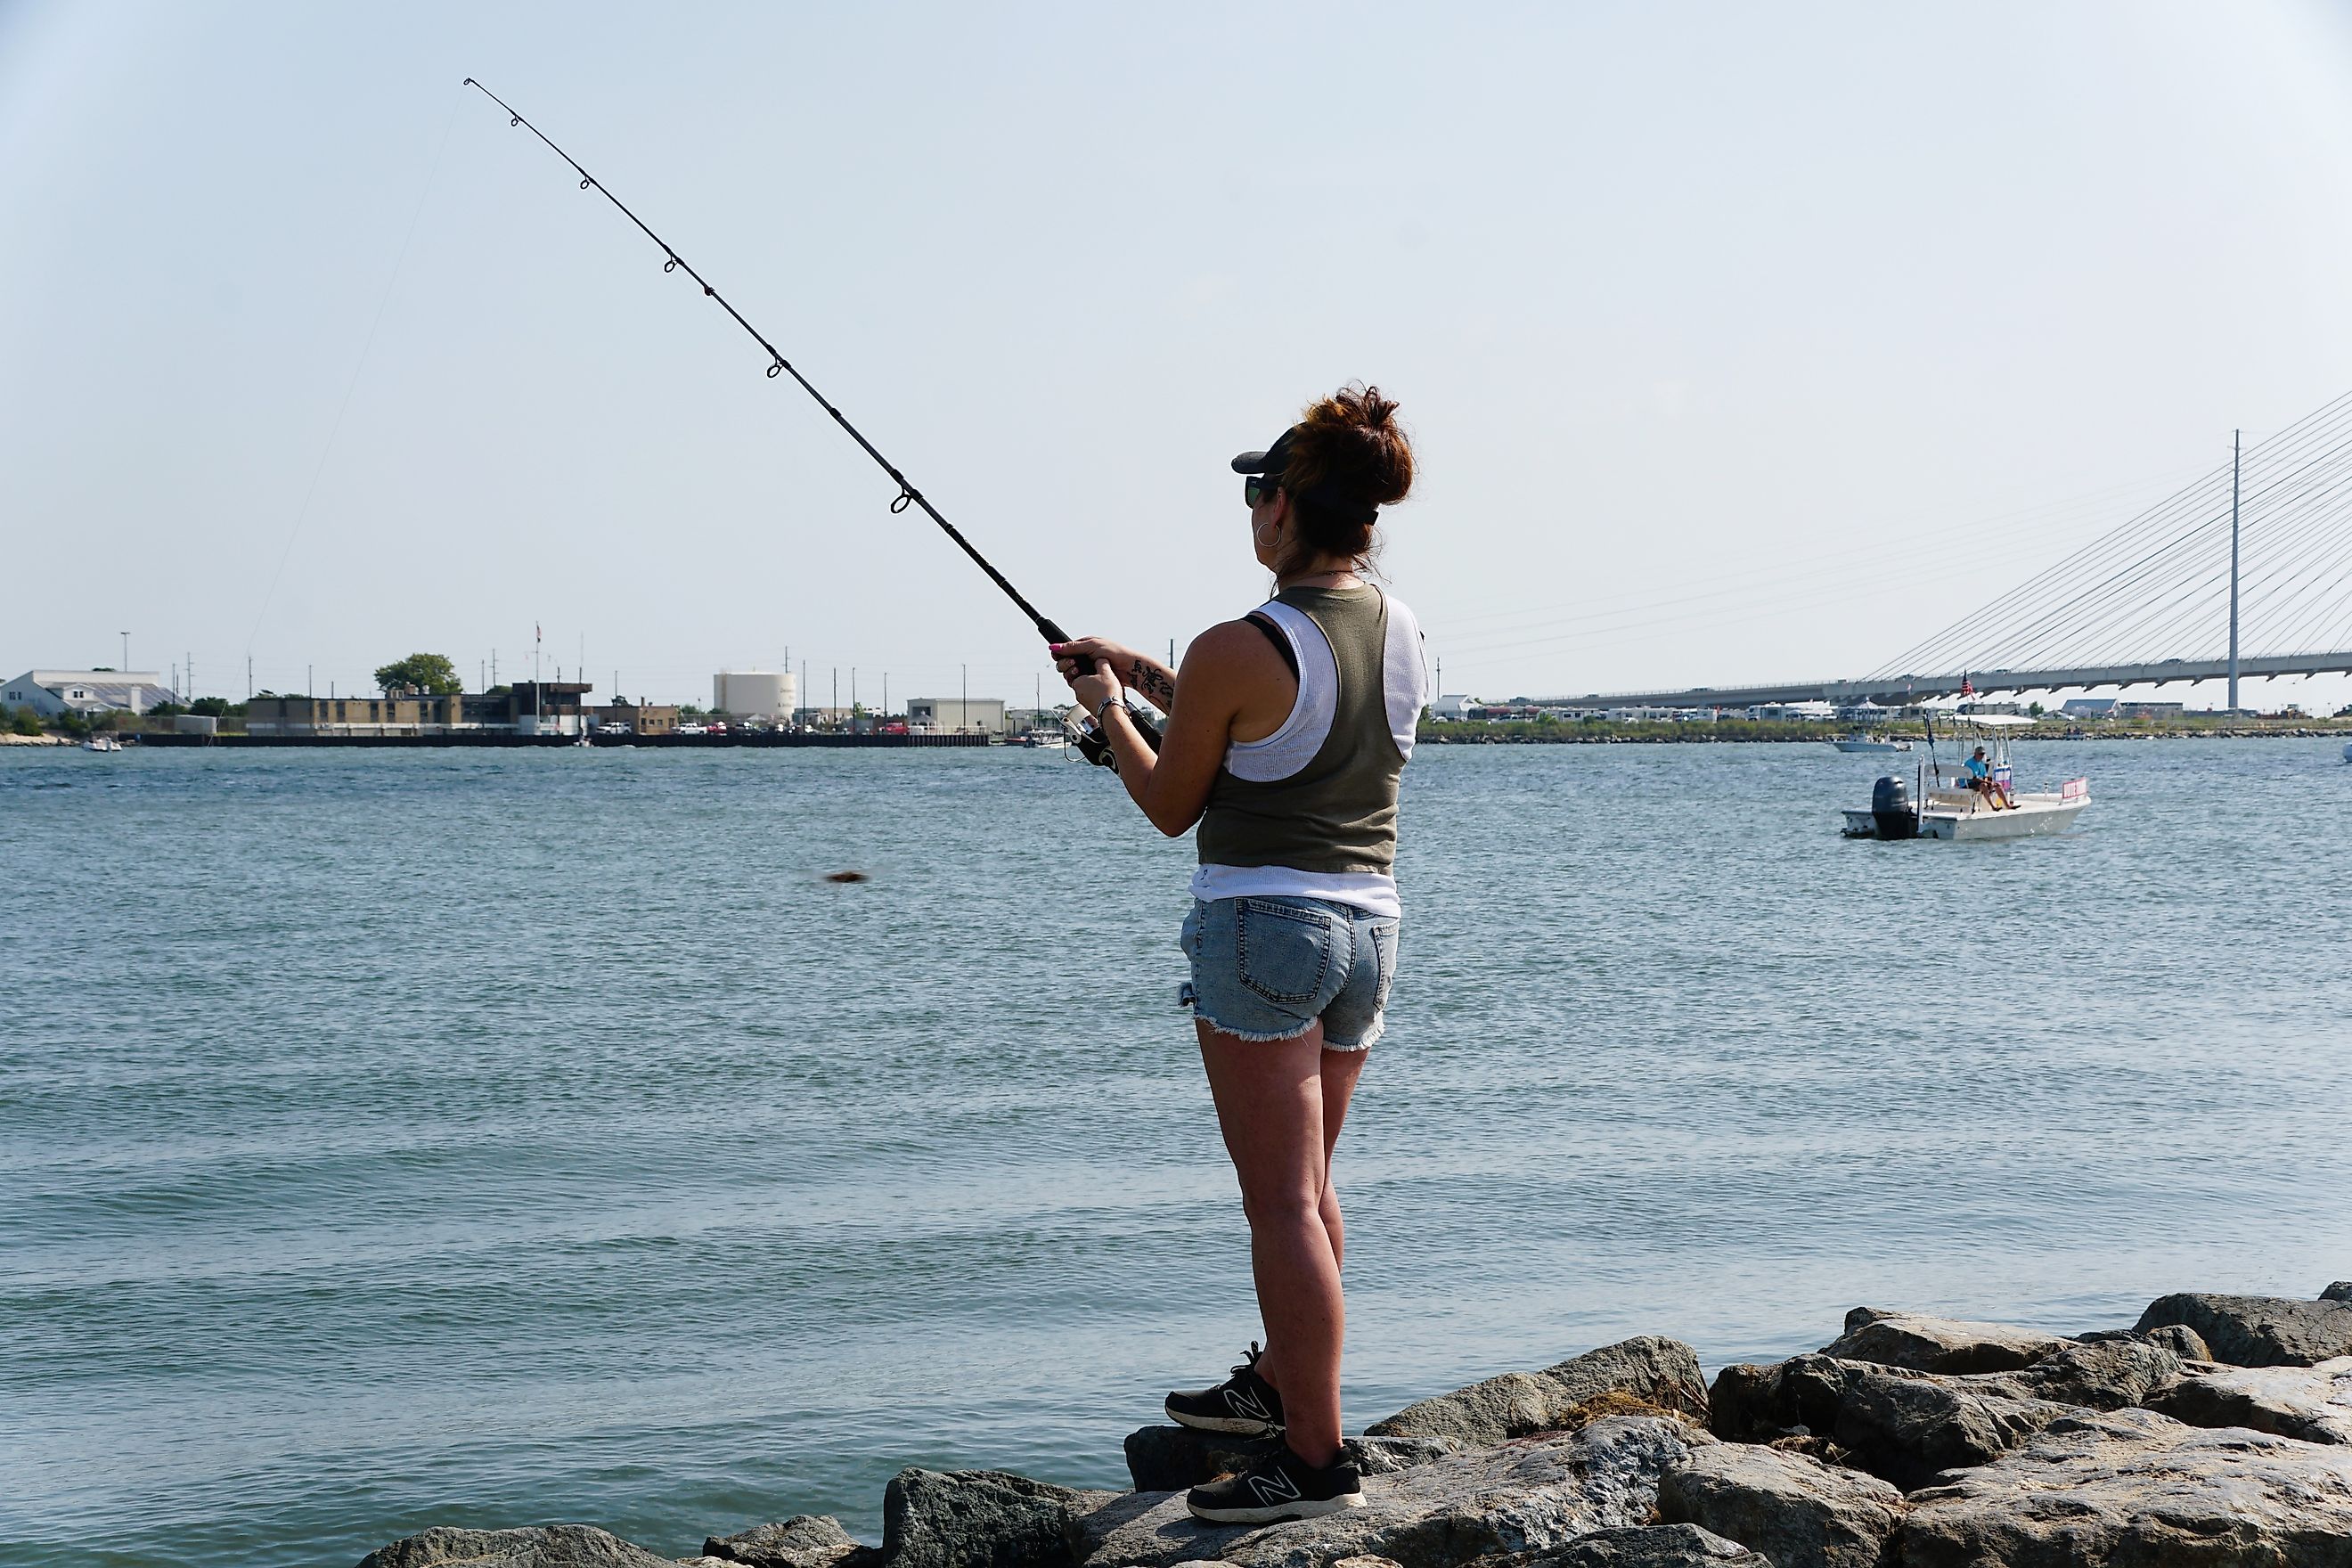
x=1088 y=740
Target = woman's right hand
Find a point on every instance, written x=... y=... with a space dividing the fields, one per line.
x=1077 y=656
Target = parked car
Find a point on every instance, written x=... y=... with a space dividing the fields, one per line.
x=614 y=730
x=691 y=728
x=716 y=727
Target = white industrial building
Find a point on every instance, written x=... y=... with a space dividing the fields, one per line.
x=754 y=694
x=49 y=692
x=956 y=715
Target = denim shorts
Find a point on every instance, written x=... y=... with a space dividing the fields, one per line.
x=1265 y=968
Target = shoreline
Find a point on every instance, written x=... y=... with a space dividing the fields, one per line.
x=1450 y=734
x=1906 y=1441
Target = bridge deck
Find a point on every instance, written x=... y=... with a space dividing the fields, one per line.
x=1893 y=690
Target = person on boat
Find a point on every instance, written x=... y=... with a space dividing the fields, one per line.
x=1980 y=773
x=1287 y=731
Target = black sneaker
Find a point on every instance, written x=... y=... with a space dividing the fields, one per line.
x=1244 y=1404
x=1280 y=1485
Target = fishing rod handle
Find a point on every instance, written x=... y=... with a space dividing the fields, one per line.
x=1095 y=746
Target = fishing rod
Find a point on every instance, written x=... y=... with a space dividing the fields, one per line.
x=1091 y=739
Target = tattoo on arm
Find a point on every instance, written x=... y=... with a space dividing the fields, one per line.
x=1158 y=688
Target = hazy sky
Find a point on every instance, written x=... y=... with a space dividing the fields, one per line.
x=1739 y=342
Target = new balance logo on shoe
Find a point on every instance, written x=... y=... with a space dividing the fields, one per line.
x=1244 y=1403
x=1273 y=1487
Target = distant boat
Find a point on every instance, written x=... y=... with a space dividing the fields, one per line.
x=101 y=743
x=1955 y=806
x=1876 y=745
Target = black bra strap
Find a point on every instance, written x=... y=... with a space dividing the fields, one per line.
x=1276 y=636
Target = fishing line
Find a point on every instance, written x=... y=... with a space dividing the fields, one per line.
x=1096 y=748
x=303 y=512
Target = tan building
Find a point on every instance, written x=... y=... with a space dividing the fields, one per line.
x=642 y=718
x=954 y=715
x=355 y=715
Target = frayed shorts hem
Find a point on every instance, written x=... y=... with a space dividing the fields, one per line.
x=1265 y=1036
x=1256 y=1037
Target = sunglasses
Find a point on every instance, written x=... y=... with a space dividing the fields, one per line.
x=1257 y=487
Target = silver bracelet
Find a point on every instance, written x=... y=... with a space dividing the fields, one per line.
x=1107 y=703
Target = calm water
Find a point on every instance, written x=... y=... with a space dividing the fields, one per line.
x=398 y=1139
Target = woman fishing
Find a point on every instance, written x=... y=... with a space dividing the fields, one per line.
x=1287 y=732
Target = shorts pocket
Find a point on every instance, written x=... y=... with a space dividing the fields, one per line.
x=1283 y=954
x=1385 y=952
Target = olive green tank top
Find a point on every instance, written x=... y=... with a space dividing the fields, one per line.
x=1319 y=794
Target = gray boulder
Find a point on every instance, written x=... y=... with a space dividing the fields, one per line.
x=979 y=1518
x=1905 y=1425
x=2180 y=1340
x=1531 y=1494
x=1939 y=1344
x=2339 y=1291
x=1907 y=1430
x=1171 y=1458
x=2178 y=1337
x=1647 y=1373
x=2260 y=1330
x=2109 y=1376
x=1797 y=1511
x=1800 y=1397
x=547 y=1546
x=2312 y=1405
x=1637 y=1546
x=2133 y=1488
x=804 y=1540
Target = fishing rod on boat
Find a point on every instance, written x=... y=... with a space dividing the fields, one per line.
x=1090 y=741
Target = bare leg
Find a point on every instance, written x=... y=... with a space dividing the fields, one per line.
x=1340 y=1070
x=1270 y=1099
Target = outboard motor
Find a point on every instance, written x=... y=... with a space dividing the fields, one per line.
x=1891 y=811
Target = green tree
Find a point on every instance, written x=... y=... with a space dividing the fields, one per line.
x=431 y=673
x=25 y=721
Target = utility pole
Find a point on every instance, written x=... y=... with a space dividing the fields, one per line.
x=963 y=718
x=248 y=674
x=836 y=714
x=126 y=652
x=2235 y=438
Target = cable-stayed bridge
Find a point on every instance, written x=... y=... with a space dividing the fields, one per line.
x=2244 y=573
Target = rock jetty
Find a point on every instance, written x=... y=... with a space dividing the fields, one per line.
x=2215 y=1431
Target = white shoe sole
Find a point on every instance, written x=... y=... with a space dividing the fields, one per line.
x=1279 y=1512
x=1233 y=1425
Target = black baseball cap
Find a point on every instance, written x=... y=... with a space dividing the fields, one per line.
x=1273 y=460
x=1276 y=457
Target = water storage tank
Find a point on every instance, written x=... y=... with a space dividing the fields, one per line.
x=754 y=693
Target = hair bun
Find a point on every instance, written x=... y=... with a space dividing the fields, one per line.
x=1349 y=457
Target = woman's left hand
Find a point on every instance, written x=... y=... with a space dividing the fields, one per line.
x=1093 y=691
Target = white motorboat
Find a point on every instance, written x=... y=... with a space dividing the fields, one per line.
x=1872 y=745
x=1962 y=806
x=101 y=743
